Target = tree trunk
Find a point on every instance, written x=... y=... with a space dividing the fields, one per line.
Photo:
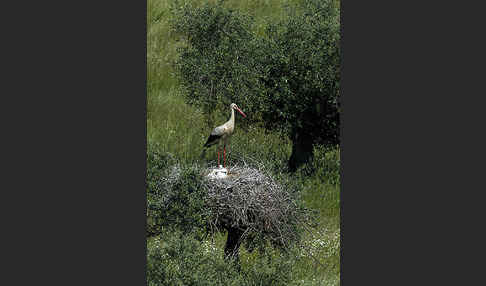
x=302 y=150
x=233 y=242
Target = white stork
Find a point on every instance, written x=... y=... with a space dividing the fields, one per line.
x=223 y=133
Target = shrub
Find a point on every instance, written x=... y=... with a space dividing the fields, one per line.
x=177 y=259
x=157 y=164
x=177 y=201
x=174 y=194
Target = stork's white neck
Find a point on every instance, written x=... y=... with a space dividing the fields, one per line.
x=232 y=118
x=231 y=122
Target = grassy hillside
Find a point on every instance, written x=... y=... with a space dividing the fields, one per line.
x=178 y=128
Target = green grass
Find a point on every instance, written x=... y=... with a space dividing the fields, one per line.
x=180 y=129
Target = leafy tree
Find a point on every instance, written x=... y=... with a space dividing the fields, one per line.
x=302 y=78
x=217 y=64
x=287 y=79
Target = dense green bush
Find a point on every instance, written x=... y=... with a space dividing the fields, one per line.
x=176 y=259
x=182 y=260
x=286 y=80
x=157 y=163
x=175 y=196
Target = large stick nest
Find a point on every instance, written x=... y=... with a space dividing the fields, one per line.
x=250 y=199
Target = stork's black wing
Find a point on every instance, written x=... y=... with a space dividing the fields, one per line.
x=216 y=134
x=212 y=139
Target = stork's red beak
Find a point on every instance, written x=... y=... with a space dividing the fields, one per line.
x=239 y=110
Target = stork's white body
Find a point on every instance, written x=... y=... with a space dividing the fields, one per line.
x=222 y=133
x=226 y=130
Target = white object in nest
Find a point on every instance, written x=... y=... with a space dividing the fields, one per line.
x=219 y=173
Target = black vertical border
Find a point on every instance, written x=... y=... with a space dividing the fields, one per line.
x=78 y=73
x=410 y=129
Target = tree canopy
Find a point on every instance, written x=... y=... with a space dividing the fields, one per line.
x=286 y=79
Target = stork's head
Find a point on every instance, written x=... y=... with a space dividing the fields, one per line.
x=234 y=106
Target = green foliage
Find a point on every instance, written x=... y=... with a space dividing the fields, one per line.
x=270 y=148
x=302 y=61
x=181 y=260
x=175 y=195
x=286 y=80
x=157 y=162
x=325 y=166
x=176 y=259
x=160 y=49
x=321 y=182
x=217 y=63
